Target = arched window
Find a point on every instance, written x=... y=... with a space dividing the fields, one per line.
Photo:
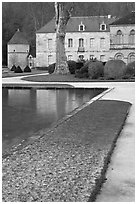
x=103 y=26
x=81 y=27
x=132 y=37
x=119 y=37
x=119 y=56
x=81 y=42
x=131 y=57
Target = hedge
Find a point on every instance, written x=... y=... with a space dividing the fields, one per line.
x=27 y=69
x=51 y=68
x=114 y=69
x=18 y=70
x=72 y=65
x=95 y=69
x=13 y=68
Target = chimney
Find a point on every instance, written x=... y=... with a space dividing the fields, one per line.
x=109 y=16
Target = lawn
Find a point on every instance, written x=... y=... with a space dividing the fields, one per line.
x=68 y=163
x=8 y=73
x=67 y=78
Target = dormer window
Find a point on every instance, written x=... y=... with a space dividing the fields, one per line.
x=81 y=27
x=103 y=26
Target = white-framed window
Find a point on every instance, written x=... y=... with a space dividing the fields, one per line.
x=119 y=37
x=92 y=41
x=103 y=26
x=102 y=58
x=50 y=44
x=70 y=42
x=81 y=27
x=81 y=42
x=81 y=57
x=102 y=42
x=70 y=57
x=91 y=57
x=132 y=37
x=50 y=59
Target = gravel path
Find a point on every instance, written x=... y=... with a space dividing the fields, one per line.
x=66 y=163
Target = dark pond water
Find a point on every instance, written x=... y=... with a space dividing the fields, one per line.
x=27 y=111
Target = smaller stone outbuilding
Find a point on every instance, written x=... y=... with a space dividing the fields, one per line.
x=18 y=50
x=32 y=57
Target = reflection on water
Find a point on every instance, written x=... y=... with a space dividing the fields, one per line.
x=26 y=111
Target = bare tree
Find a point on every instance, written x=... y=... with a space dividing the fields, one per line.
x=62 y=18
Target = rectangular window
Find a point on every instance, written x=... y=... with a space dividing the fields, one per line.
x=81 y=42
x=50 y=59
x=49 y=44
x=70 y=42
x=102 y=42
x=102 y=58
x=91 y=42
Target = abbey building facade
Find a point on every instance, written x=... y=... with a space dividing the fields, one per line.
x=100 y=37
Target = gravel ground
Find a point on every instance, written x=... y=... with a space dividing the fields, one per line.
x=66 y=163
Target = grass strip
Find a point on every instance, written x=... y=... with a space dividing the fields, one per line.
x=67 y=78
x=69 y=162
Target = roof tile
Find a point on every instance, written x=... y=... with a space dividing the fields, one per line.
x=18 y=38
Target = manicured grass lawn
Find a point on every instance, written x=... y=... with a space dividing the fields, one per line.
x=9 y=73
x=67 y=163
x=66 y=78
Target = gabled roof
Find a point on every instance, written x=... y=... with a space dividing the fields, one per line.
x=18 y=38
x=91 y=23
x=126 y=20
x=32 y=51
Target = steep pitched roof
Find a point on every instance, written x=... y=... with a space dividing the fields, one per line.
x=92 y=24
x=18 y=38
x=126 y=20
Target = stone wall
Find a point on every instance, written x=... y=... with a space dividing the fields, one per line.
x=17 y=55
x=46 y=42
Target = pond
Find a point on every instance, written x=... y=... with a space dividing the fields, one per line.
x=26 y=112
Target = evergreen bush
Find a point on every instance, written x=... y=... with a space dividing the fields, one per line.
x=130 y=69
x=13 y=68
x=79 y=64
x=114 y=69
x=72 y=65
x=95 y=69
x=18 y=70
x=51 y=68
x=27 y=69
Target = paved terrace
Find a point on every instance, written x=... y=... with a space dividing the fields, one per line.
x=120 y=184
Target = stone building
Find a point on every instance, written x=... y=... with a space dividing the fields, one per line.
x=18 y=50
x=86 y=37
x=122 y=38
x=101 y=37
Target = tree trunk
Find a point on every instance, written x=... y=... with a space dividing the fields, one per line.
x=62 y=18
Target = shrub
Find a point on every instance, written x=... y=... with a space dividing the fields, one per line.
x=42 y=68
x=104 y=63
x=130 y=69
x=78 y=74
x=72 y=66
x=13 y=68
x=79 y=64
x=27 y=69
x=95 y=69
x=85 y=67
x=114 y=69
x=51 y=68
x=18 y=70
